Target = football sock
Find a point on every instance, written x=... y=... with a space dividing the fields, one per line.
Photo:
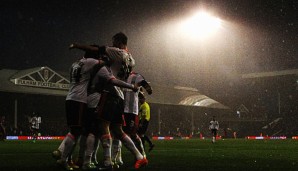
x=106 y=142
x=96 y=145
x=116 y=150
x=73 y=148
x=69 y=144
x=62 y=145
x=82 y=148
x=119 y=156
x=139 y=145
x=128 y=143
x=89 y=148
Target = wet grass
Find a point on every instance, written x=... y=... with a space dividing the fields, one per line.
x=193 y=154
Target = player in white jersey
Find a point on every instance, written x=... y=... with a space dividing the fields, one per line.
x=109 y=113
x=131 y=109
x=214 y=126
x=117 y=55
x=34 y=126
x=76 y=106
x=119 y=59
x=89 y=142
x=103 y=78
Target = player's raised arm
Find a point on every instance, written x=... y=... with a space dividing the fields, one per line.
x=93 y=48
x=123 y=84
x=83 y=47
x=147 y=86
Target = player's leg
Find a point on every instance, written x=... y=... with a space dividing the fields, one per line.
x=87 y=148
x=102 y=124
x=116 y=127
x=76 y=129
x=116 y=152
x=141 y=133
x=70 y=143
x=87 y=164
x=34 y=134
x=106 y=143
x=74 y=113
x=117 y=144
x=82 y=147
x=151 y=145
x=94 y=154
x=213 y=135
x=129 y=144
x=144 y=136
x=130 y=129
x=139 y=144
x=96 y=142
x=57 y=153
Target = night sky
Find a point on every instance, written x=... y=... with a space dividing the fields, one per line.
x=257 y=36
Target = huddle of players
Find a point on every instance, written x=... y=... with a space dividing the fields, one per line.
x=95 y=104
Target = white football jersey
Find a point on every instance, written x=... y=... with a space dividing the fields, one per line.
x=118 y=57
x=93 y=99
x=35 y=121
x=214 y=125
x=131 y=99
x=79 y=79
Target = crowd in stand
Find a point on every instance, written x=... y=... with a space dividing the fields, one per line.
x=266 y=99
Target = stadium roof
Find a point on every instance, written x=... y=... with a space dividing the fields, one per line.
x=45 y=81
x=271 y=74
x=33 y=81
x=182 y=96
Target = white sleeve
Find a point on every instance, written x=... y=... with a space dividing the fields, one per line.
x=105 y=74
x=115 y=54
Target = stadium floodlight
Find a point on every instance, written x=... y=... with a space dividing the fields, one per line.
x=201 y=25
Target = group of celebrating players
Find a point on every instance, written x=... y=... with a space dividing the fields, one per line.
x=103 y=89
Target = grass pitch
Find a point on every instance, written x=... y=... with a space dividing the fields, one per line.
x=193 y=154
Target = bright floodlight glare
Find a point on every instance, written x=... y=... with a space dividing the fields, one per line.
x=201 y=25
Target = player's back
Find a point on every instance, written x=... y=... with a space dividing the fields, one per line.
x=131 y=102
x=79 y=79
x=119 y=59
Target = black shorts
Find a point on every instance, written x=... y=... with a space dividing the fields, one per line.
x=89 y=121
x=143 y=127
x=75 y=112
x=34 y=130
x=131 y=123
x=110 y=108
x=214 y=132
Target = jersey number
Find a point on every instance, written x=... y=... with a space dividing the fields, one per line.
x=75 y=72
